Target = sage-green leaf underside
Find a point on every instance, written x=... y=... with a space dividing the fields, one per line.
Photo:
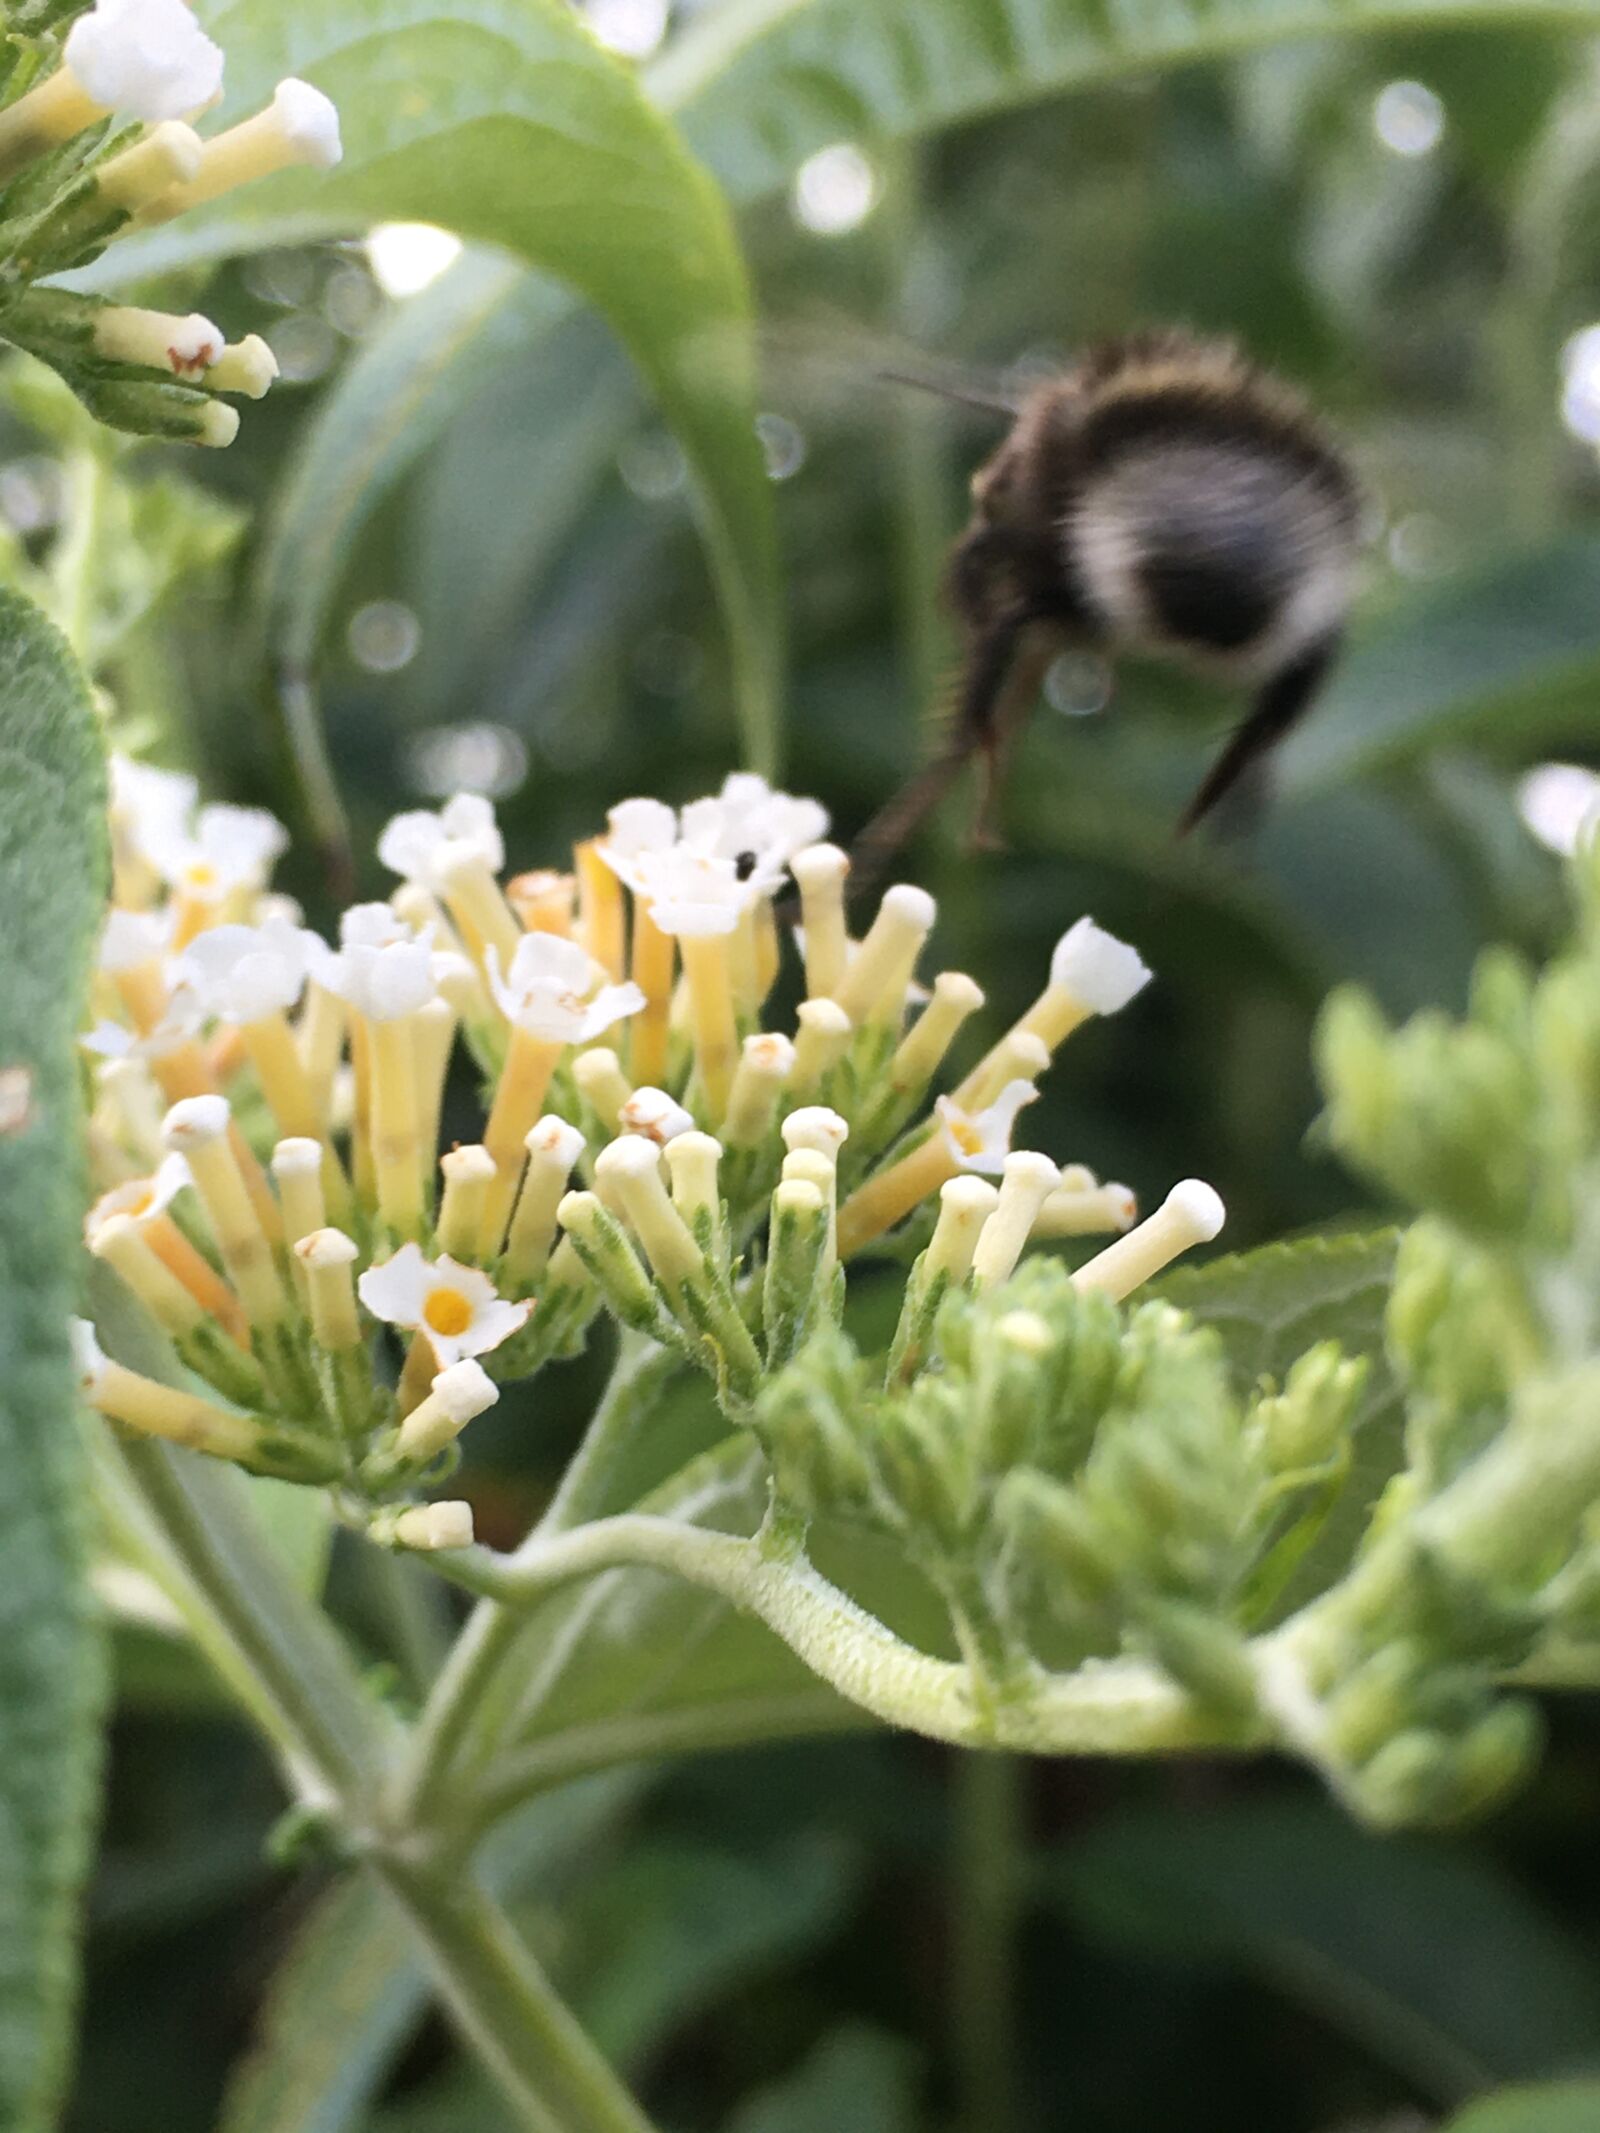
x=1270 y=1306
x=53 y=874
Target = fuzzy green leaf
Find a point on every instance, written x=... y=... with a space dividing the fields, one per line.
x=53 y=873
x=1269 y=1307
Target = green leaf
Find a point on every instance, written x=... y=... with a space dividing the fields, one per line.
x=1553 y=2107
x=509 y=123
x=857 y=2080
x=674 y=1926
x=53 y=877
x=1426 y=1954
x=1270 y=1306
x=763 y=85
x=1509 y=656
x=349 y=1993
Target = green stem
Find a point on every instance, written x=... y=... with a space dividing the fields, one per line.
x=192 y=1531
x=74 y=565
x=985 y=1894
x=1115 y=1707
x=194 y=1534
x=646 y=1736
x=642 y=1369
x=506 y=2007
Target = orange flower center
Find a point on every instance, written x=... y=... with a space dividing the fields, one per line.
x=201 y=875
x=448 y=1312
x=141 y=1202
x=966 y=1136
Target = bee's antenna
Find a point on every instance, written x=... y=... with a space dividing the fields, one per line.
x=992 y=403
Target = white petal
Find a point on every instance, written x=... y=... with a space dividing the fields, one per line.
x=147 y=59
x=310 y=121
x=612 y=1003
x=495 y=1323
x=396 y=1290
x=470 y=818
x=409 y=842
x=134 y=937
x=1096 y=968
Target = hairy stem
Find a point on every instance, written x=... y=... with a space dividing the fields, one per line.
x=642 y=1370
x=1113 y=1707
x=506 y=2007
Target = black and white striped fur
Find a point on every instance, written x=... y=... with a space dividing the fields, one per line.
x=1164 y=495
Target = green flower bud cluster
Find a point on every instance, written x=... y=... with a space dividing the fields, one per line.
x=1073 y=1484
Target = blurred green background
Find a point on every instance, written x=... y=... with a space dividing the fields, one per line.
x=798 y=1937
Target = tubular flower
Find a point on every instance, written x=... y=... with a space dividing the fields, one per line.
x=455 y=1308
x=103 y=141
x=553 y=990
x=736 y=1168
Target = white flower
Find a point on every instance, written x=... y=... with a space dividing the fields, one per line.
x=636 y=831
x=230 y=848
x=380 y=982
x=549 y=991
x=147 y=802
x=654 y=1115
x=413 y=844
x=1099 y=971
x=145 y=59
x=753 y=819
x=131 y=938
x=307 y=122
x=142 y=1199
x=691 y=892
x=240 y=973
x=456 y=1306
x=981 y=1140
x=700 y=871
x=373 y=926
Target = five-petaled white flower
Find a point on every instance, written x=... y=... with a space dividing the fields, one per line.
x=420 y=844
x=142 y=1199
x=229 y=848
x=240 y=973
x=981 y=1140
x=748 y=820
x=701 y=870
x=549 y=991
x=457 y=1307
x=146 y=59
x=381 y=978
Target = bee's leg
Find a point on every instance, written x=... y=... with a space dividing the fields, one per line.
x=979 y=684
x=1281 y=702
x=1009 y=714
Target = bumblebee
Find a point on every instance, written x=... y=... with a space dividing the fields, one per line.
x=1164 y=495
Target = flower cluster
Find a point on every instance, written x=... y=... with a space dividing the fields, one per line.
x=97 y=138
x=268 y=1114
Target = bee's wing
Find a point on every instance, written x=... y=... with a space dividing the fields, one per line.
x=819 y=362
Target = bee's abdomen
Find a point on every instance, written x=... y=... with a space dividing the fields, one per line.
x=1213 y=547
